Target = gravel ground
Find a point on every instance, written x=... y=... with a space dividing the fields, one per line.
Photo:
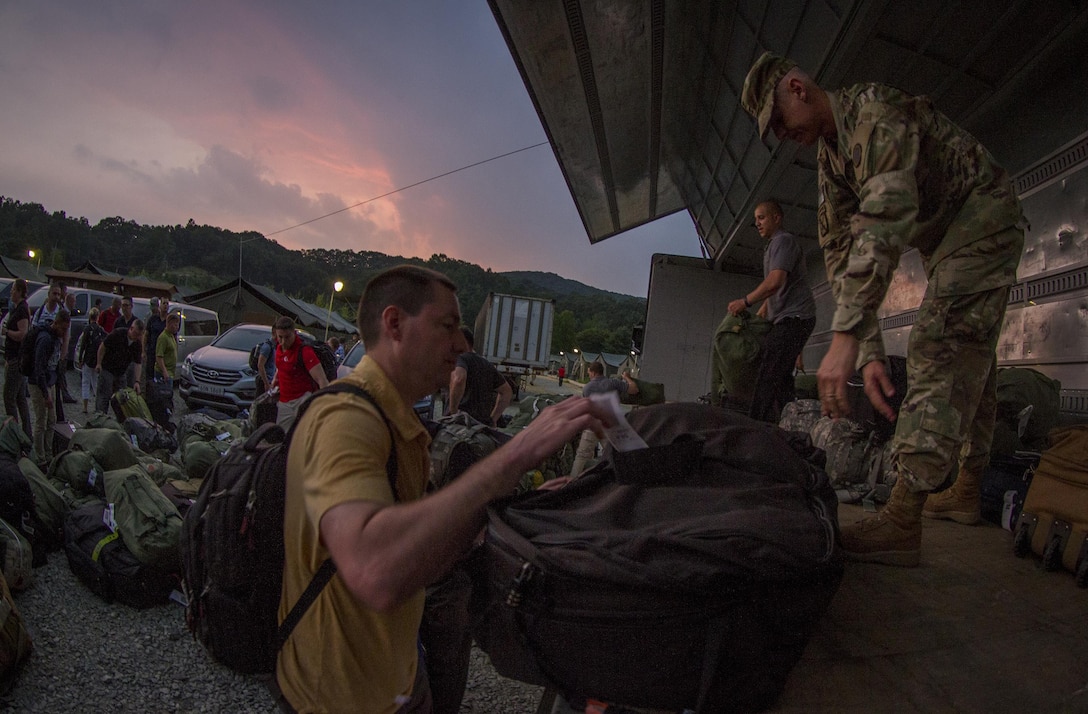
x=90 y=656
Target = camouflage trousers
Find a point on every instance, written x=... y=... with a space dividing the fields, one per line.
x=947 y=417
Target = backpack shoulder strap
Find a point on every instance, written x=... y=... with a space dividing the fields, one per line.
x=328 y=568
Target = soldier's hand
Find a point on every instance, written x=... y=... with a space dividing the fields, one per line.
x=835 y=369
x=878 y=387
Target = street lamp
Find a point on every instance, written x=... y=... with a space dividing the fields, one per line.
x=34 y=254
x=336 y=287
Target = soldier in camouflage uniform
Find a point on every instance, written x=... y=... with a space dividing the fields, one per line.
x=894 y=174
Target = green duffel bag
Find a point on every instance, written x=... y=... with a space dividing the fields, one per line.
x=222 y=431
x=200 y=456
x=74 y=499
x=1028 y=403
x=79 y=470
x=13 y=440
x=148 y=522
x=49 y=504
x=159 y=470
x=98 y=420
x=110 y=448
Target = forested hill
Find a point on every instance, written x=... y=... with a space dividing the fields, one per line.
x=198 y=257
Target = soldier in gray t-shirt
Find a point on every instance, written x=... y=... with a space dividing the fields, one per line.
x=788 y=303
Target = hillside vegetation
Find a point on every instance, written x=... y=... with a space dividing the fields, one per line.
x=198 y=257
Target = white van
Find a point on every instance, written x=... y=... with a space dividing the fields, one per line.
x=199 y=326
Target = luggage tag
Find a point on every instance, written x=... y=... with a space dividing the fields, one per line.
x=620 y=434
x=108 y=519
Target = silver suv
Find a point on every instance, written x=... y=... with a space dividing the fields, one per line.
x=219 y=375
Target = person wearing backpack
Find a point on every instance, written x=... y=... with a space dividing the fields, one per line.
x=43 y=380
x=298 y=370
x=87 y=356
x=15 y=328
x=355 y=648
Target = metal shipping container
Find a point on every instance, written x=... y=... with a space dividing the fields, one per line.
x=514 y=332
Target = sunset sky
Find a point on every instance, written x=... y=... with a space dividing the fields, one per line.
x=262 y=115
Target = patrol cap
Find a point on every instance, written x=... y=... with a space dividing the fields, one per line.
x=757 y=97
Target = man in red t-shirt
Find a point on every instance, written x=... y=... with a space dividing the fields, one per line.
x=107 y=318
x=296 y=374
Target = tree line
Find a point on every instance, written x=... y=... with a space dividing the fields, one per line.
x=199 y=257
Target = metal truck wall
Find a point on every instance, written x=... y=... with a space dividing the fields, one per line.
x=1046 y=326
x=515 y=331
x=686 y=302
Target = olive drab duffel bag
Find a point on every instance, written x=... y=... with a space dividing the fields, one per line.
x=148 y=522
x=689 y=575
x=15 y=642
x=98 y=557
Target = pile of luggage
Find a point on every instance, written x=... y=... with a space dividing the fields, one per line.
x=113 y=499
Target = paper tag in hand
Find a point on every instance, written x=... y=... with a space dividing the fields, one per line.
x=620 y=435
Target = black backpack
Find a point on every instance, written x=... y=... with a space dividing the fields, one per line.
x=232 y=549
x=93 y=334
x=712 y=555
x=255 y=353
x=324 y=353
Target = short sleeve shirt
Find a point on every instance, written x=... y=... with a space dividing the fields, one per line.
x=343 y=656
x=294 y=379
x=20 y=312
x=166 y=346
x=480 y=385
x=794 y=299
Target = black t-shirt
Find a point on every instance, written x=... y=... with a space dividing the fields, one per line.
x=19 y=312
x=480 y=385
x=120 y=353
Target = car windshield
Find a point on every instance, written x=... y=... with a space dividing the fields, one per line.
x=243 y=339
x=355 y=355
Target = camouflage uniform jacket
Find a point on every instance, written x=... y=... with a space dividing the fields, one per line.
x=898 y=175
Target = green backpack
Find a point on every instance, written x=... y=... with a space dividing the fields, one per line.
x=13 y=440
x=735 y=358
x=49 y=504
x=128 y=403
x=148 y=522
x=110 y=448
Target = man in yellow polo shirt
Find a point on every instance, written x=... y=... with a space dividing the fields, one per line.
x=355 y=648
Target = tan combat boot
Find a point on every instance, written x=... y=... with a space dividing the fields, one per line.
x=959 y=503
x=891 y=537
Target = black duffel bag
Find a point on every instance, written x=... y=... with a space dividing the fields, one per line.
x=689 y=575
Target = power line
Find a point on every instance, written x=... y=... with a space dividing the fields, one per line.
x=405 y=188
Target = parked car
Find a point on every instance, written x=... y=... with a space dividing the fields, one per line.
x=218 y=375
x=424 y=407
